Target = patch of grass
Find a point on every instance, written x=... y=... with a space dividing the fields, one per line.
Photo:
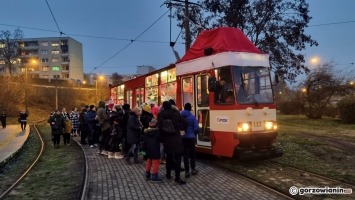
x=311 y=153
x=18 y=164
x=58 y=174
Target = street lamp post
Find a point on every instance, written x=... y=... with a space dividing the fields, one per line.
x=98 y=94
x=33 y=61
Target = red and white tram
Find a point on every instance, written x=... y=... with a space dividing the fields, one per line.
x=227 y=80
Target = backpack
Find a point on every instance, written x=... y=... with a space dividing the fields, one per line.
x=168 y=127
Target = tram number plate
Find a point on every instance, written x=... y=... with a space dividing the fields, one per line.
x=257 y=124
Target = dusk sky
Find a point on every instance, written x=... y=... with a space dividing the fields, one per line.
x=123 y=19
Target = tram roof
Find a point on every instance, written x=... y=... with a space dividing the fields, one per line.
x=221 y=47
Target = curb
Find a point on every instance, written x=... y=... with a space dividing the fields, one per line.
x=8 y=159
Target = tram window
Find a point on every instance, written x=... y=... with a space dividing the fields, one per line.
x=151 y=94
x=187 y=90
x=255 y=85
x=139 y=96
x=172 y=75
x=163 y=77
x=151 y=80
x=168 y=91
x=224 y=93
x=120 y=92
x=202 y=91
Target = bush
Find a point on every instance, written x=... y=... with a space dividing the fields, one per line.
x=346 y=108
x=331 y=111
x=291 y=108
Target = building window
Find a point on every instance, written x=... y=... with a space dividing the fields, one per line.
x=55 y=51
x=65 y=59
x=55 y=60
x=45 y=60
x=2 y=62
x=44 y=52
x=56 y=76
x=45 y=68
x=2 y=46
x=55 y=68
x=44 y=44
x=55 y=44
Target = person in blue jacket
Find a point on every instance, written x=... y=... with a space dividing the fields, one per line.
x=189 y=141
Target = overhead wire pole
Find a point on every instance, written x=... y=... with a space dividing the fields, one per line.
x=61 y=33
x=187 y=27
x=186 y=22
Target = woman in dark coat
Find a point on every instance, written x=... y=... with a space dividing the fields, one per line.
x=172 y=141
x=134 y=128
x=56 y=122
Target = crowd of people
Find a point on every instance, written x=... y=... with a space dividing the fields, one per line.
x=163 y=135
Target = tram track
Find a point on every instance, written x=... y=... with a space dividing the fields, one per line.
x=267 y=172
x=84 y=188
x=24 y=174
x=313 y=174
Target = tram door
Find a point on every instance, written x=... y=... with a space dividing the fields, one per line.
x=195 y=91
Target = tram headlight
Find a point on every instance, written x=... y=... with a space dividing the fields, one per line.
x=244 y=127
x=270 y=125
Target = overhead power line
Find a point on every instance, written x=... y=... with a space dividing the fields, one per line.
x=118 y=52
x=87 y=36
x=54 y=18
x=333 y=23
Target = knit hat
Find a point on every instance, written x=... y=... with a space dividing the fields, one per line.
x=188 y=107
x=146 y=108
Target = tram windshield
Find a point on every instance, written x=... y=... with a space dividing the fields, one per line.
x=245 y=85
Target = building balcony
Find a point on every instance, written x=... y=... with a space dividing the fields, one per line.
x=28 y=55
x=29 y=47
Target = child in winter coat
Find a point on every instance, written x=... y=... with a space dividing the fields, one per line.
x=152 y=148
x=67 y=130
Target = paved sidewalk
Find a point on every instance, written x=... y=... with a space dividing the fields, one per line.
x=114 y=179
x=11 y=140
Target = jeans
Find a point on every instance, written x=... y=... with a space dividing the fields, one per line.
x=134 y=150
x=189 y=153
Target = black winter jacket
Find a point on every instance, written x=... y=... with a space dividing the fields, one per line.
x=172 y=143
x=134 y=128
x=151 y=143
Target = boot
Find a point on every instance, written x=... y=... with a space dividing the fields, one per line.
x=128 y=160
x=156 y=179
x=118 y=155
x=136 y=160
x=180 y=181
x=147 y=175
x=110 y=155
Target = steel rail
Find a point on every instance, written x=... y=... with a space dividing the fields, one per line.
x=29 y=168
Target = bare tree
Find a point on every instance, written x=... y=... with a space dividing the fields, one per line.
x=9 y=48
x=277 y=27
x=116 y=79
x=321 y=85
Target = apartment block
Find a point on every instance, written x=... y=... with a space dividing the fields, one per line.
x=51 y=58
